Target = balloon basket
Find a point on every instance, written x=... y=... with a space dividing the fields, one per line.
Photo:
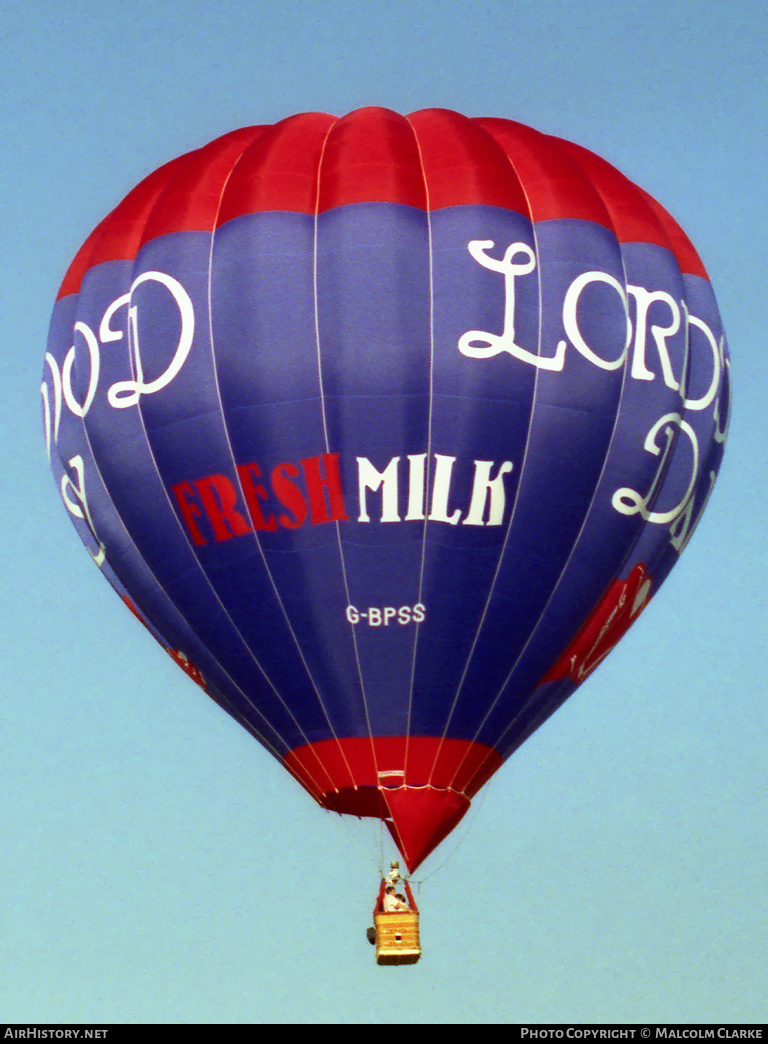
x=397 y=938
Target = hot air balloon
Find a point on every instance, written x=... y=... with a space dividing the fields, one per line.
x=387 y=428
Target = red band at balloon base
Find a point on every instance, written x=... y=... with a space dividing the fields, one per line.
x=421 y=786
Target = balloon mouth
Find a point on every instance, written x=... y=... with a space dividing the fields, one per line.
x=421 y=787
x=418 y=818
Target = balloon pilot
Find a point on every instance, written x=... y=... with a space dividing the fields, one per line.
x=394 y=901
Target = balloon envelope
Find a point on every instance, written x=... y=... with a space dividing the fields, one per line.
x=387 y=428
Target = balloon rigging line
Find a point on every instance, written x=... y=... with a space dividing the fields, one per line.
x=430 y=411
x=461 y=835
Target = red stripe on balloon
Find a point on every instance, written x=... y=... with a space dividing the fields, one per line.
x=431 y=159
x=280 y=170
x=371 y=156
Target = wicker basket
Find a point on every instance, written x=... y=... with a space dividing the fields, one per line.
x=397 y=938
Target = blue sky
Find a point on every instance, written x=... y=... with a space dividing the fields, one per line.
x=158 y=866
